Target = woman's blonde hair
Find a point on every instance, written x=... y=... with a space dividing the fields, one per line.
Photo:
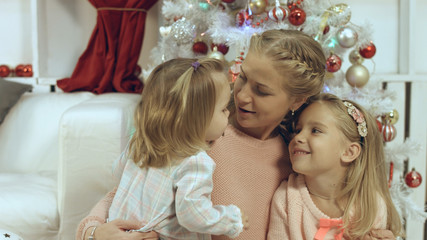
x=366 y=177
x=297 y=57
x=175 y=110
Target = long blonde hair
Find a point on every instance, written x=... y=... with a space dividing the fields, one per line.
x=297 y=57
x=175 y=109
x=366 y=176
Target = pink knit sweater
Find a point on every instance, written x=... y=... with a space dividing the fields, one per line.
x=248 y=171
x=295 y=216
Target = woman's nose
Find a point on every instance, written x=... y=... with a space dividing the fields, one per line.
x=243 y=95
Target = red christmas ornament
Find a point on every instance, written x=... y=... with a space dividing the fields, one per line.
x=369 y=51
x=27 y=70
x=326 y=29
x=228 y=1
x=4 y=71
x=222 y=47
x=297 y=16
x=389 y=132
x=277 y=14
x=243 y=18
x=413 y=179
x=333 y=63
x=200 y=48
x=19 y=70
x=380 y=125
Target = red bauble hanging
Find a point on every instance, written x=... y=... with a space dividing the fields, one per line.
x=221 y=47
x=326 y=29
x=380 y=125
x=228 y=1
x=200 y=48
x=369 y=51
x=413 y=179
x=297 y=16
x=243 y=18
x=4 y=71
x=333 y=63
x=277 y=14
x=388 y=132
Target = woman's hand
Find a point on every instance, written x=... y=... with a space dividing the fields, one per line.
x=117 y=229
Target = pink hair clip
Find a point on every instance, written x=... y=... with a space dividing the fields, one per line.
x=195 y=65
x=358 y=118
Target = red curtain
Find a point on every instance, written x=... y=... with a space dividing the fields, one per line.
x=110 y=60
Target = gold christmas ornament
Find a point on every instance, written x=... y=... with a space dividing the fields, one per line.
x=216 y=54
x=355 y=57
x=340 y=15
x=357 y=75
x=391 y=117
x=257 y=6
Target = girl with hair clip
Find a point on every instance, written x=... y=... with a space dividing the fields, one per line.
x=166 y=175
x=281 y=70
x=339 y=190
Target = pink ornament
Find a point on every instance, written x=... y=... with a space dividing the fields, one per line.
x=333 y=63
x=389 y=132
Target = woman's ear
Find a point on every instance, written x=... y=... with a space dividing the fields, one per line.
x=298 y=103
x=351 y=153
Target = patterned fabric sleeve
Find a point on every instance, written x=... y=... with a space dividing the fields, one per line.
x=279 y=228
x=97 y=215
x=194 y=208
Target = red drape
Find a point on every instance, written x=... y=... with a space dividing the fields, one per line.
x=110 y=59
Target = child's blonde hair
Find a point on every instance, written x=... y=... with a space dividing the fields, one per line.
x=175 y=110
x=366 y=176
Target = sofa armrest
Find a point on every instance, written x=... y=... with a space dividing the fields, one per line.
x=92 y=135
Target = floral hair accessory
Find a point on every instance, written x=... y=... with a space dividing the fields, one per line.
x=195 y=65
x=358 y=118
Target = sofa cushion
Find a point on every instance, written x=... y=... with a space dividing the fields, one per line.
x=10 y=92
x=29 y=134
x=28 y=205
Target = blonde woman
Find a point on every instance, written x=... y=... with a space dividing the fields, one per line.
x=340 y=189
x=281 y=70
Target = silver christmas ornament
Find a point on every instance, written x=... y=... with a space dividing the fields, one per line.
x=346 y=37
x=183 y=31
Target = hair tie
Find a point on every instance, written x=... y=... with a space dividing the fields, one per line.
x=195 y=65
x=358 y=118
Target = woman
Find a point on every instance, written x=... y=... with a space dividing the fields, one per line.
x=281 y=70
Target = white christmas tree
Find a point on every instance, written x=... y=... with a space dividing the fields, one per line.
x=200 y=28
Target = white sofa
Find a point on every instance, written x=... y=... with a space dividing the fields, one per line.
x=56 y=152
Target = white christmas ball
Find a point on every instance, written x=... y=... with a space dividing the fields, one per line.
x=183 y=31
x=347 y=37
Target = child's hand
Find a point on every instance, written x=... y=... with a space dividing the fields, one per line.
x=245 y=221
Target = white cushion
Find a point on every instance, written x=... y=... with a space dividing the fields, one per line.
x=29 y=134
x=28 y=205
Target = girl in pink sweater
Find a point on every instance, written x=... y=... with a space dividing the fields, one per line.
x=340 y=189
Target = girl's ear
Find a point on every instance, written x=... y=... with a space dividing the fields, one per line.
x=351 y=153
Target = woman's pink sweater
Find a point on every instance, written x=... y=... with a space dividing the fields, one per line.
x=248 y=171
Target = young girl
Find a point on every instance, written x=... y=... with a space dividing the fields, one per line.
x=340 y=189
x=166 y=176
